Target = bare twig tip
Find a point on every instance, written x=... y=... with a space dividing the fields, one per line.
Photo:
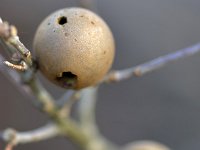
x=152 y=65
x=21 y=67
x=13 y=31
x=9 y=135
x=5 y=63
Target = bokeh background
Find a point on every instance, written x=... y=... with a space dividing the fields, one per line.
x=162 y=106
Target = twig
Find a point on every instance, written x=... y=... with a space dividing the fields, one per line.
x=67 y=101
x=9 y=34
x=86 y=108
x=9 y=51
x=25 y=53
x=45 y=101
x=14 y=78
x=152 y=65
x=8 y=73
x=85 y=134
x=7 y=31
x=14 y=138
x=67 y=126
x=21 y=67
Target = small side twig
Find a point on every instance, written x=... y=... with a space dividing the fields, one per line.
x=21 y=67
x=25 y=53
x=45 y=102
x=12 y=76
x=8 y=73
x=8 y=34
x=67 y=126
x=66 y=102
x=7 y=31
x=13 y=137
x=65 y=98
x=152 y=65
x=86 y=108
x=86 y=113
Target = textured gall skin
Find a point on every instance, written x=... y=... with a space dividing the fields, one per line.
x=74 y=48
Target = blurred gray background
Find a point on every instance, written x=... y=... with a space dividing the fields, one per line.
x=162 y=106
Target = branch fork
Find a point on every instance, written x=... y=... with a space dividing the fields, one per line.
x=83 y=132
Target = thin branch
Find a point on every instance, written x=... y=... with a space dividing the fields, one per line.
x=45 y=101
x=21 y=67
x=12 y=75
x=86 y=108
x=67 y=126
x=67 y=101
x=85 y=134
x=15 y=79
x=13 y=137
x=65 y=98
x=25 y=53
x=86 y=113
x=8 y=33
x=140 y=70
x=8 y=48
